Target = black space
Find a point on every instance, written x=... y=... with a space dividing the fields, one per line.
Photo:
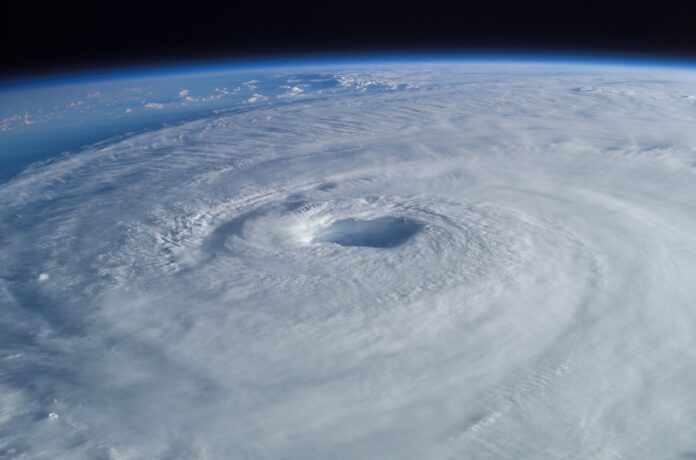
x=49 y=36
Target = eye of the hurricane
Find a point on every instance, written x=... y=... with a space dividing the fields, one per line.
x=382 y=232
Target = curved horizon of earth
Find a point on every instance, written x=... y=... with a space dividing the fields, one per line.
x=378 y=260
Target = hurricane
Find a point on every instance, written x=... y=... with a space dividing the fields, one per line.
x=440 y=261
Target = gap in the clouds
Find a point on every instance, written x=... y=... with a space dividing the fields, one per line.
x=382 y=232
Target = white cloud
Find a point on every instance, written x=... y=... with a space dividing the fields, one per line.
x=250 y=84
x=293 y=91
x=257 y=98
x=475 y=269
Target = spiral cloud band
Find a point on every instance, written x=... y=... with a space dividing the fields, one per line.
x=451 y=261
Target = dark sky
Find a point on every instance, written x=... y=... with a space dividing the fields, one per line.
x=52 y=36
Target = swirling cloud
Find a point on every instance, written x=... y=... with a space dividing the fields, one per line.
x=472 y=263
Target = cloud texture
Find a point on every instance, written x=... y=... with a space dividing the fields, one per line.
x=472 y=263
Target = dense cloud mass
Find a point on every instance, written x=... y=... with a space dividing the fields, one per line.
x=466 y=262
